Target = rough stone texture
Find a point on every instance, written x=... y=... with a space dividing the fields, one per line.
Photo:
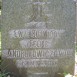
x=39 y=35
x=0 y=22
x=76 y=22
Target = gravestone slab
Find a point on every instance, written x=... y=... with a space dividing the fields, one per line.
x=38 y=37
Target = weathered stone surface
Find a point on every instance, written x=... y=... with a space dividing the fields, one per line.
x=0 y=20
x=39 y=35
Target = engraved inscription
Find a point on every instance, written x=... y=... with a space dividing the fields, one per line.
x=38 y=53
x=39 y=33
x=36 y=33
x=37 y=63
x=36 y=43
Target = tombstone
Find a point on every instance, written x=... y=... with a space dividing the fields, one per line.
x=38 y=37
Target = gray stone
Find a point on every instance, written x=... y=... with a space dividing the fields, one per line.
x=37 y=75
x=39 y=35
x=0 y=20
